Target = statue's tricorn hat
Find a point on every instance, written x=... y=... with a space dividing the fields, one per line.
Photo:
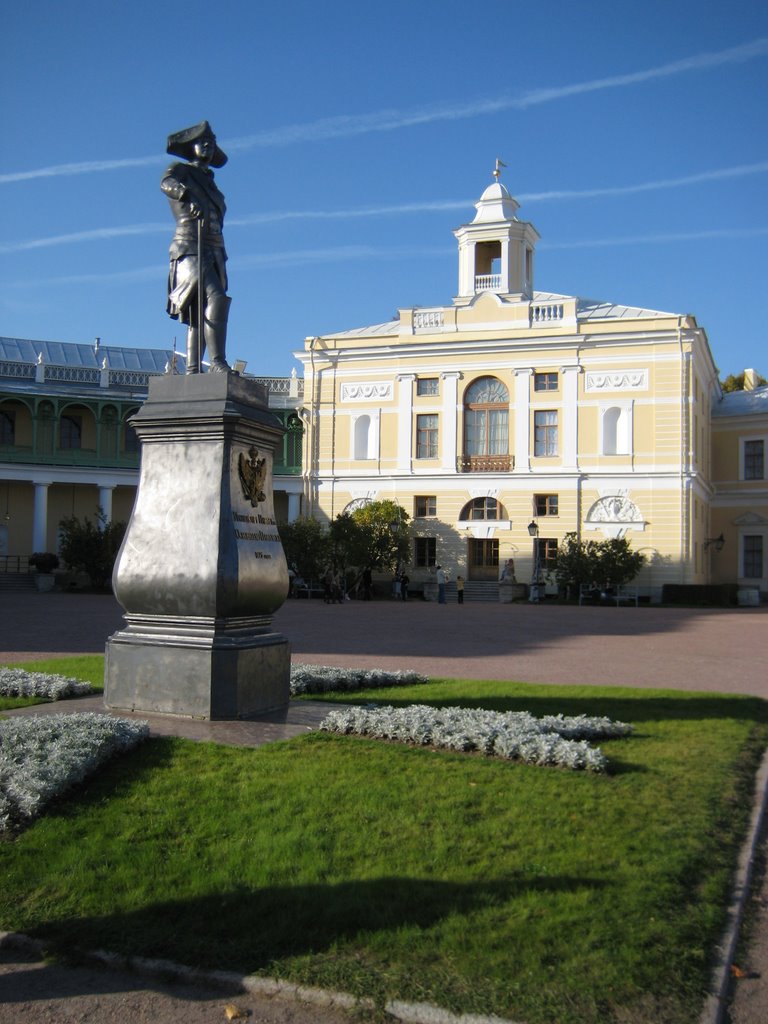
x=183 y=143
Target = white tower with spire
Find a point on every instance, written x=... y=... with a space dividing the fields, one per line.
x=496 y=251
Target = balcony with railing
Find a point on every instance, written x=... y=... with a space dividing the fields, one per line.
x=488 y=282
x=485 y=463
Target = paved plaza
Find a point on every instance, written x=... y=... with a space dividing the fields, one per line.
x=681 y=648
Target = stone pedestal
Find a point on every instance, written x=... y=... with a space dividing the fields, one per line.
x=201 y=570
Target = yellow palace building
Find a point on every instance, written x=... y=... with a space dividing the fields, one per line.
x=510 y=417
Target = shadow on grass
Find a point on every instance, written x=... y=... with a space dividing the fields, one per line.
x=563 y=700
x=246 y=930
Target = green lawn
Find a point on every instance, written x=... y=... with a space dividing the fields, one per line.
x=479 y=885
x=87 y=667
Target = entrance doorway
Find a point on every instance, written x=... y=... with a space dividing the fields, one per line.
x=483 y=560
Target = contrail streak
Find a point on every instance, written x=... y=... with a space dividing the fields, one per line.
x=100 y=234
x=348 y=125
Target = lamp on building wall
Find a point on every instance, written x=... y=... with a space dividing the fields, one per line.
x=717 y=542
x=533 y=531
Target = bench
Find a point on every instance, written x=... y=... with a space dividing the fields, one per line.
x=623 y=594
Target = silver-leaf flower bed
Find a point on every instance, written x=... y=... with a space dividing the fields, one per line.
x=552 y=740
x=17 y=682
x=43 y=756
x=324 y=678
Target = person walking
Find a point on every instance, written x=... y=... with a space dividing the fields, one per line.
x=440 y=577
x=404 y=581
x=460 y=589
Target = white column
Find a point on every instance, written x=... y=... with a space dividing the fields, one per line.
x=105 y=502
x=294 y=507
x=40 y=518
x=405 y=422
x=523 y=420
x=570 y=422
x=449 y=418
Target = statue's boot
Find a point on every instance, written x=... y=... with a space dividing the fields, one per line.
x=216 y=333
x=193 y=355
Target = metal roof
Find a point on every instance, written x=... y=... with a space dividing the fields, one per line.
x=61 y=353
x=742 y=403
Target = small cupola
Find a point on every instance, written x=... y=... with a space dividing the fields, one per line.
x=496 y=251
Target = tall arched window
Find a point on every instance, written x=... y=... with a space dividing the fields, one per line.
x=616 y=431
x=486 y=426
x=362 y=437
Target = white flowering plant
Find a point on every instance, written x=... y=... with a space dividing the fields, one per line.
x=306 y=679
x=42 y=756
x=552 y=740
x=18 y=682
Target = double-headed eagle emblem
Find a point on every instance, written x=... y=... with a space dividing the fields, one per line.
x=253 y=474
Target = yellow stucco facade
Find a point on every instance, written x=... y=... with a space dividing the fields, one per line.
x=510 y=406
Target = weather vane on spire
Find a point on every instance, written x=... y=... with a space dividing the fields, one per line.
x=497 y=169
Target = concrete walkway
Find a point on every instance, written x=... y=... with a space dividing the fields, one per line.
x=687 y=649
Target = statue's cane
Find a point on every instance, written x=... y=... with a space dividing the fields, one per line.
x=200 y=301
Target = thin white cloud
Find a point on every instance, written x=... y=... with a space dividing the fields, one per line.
x=345 y=126
x=347 y=253
x=660 y=239
x=349 y=125
x=100 y=234
x=94 y=235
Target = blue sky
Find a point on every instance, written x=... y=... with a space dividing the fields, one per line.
x=359 y=135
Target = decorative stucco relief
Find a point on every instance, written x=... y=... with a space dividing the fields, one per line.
x=617 y=380
x=614 y=514
x=366 y=392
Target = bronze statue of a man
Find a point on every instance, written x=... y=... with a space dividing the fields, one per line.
x=197 y=281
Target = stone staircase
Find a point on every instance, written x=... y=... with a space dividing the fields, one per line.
x=474 y=591
x=13 y=582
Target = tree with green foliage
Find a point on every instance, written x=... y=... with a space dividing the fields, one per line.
x=381 y=538
x=91 y=547
x=606 y=563
x=735 y=382
x=307 y=547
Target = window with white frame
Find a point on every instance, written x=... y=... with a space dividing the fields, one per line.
x=752 y=551
x=545 y=433
x=426 y=436
x=754 y=458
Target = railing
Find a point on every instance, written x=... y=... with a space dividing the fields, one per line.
x=485 y=463
x=428 y=318
x=282 y=385
x=14 y=563
x=70 y=457
x=487 y=282
x=10 y=368
x=547 y=313
x=73 y=374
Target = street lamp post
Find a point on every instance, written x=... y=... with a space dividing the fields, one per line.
x=533 y=531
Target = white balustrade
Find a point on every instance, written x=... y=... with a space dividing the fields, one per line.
x=488 y=282
x=547 y=313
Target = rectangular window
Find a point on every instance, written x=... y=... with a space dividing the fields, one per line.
x=425 y=551
x=545 y=433
x=547 y=552
x=424 y=505
x=754 y=460
x=426 y=436
x=545 y=504
x=7 y=428
x=545 y=382
x=70 y=432
x=753 y=556
x=427 y=386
